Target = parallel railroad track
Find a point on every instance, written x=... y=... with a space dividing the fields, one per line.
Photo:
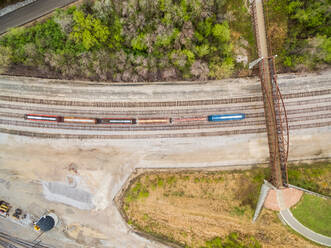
x=8 y=241
x=152 y=128
x=252 y=123
x=248 y=115
x=166 y=112
x=199 y=125
x=148 y=136
x=156 y=104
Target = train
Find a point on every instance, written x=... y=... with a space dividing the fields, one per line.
x=226 y=117
x=132 y=121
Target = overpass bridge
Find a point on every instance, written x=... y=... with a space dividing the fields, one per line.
x=274 y=108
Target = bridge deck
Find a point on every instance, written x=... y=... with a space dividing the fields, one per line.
x=270 y=95
x=260 y=25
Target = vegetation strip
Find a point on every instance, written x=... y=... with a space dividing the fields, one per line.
x=299 y=33
x=167 y=40
x=136 y=41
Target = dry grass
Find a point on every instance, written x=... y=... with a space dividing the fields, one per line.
x=191 y=208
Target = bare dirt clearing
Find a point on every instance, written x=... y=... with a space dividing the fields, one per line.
x=102 y=167
x=191 y=208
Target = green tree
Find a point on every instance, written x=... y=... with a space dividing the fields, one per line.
x=5 y=58
x=89 y=30
x=325 y=47
x=309 y=26
x=221 y=32
x=138 y=43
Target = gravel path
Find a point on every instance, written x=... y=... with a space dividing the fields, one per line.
x=290 y=220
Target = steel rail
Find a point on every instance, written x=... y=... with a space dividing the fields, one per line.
x=283 y=111
x=175 y=126
x=273 y=147
x=248 y=115
x=148 y=136
x=171 y=112
x=21 y=242
x=156 y=104
x=152 y=127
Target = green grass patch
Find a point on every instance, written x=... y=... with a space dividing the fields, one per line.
x=315 y=213
x=233 y=240
x=315 y=177
x=238 y=211
x=138 y=191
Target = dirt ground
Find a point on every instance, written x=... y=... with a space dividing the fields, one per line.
x=81 y=183
x=79 y=179
x=195 y=207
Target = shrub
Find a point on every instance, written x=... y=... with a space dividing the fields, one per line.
x=202 y=50
x=138 y=43
x=299 y=31
x=325 y=48
x=200 y=70
x=165 y=40
x=139 y=191
x=45 y=36
x=88 y=30
x=177 y=39
x=221 y=70
x=65 y=20
x=312 y=177
x=221 y=32
x=5 y=58
x=233 y=240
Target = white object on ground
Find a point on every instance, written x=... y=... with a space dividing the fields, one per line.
x=59 y=192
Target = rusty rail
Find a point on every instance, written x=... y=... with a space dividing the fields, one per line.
x=275 y=112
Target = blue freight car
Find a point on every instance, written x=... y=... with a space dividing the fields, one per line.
x=227 y=117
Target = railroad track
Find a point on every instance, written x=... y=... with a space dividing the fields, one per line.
x=154 y=128
x=252 y=123
x=10 y=242
x=5 y=244
x=149 y=113
x=148 y=136
x=166 y=112
x=181 y=126
x=248 y=115
x=156 y=104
